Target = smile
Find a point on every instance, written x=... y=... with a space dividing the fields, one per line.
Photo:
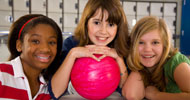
x=43 y=59
x=102 y=38
x=148 y=56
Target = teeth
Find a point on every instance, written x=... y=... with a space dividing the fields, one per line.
x=43 y=57
x=148 y=56
x=101 y=38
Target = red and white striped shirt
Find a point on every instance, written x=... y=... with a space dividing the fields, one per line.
x=14 y=84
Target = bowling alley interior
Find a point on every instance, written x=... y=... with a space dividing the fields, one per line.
x=67 y=14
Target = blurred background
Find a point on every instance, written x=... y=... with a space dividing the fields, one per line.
x=67 y=14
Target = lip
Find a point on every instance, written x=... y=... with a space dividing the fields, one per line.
x=43 y=58
x=152 y=56
x=102 y=39
x=148 y=57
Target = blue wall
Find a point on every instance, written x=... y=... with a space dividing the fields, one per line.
x=185 y=28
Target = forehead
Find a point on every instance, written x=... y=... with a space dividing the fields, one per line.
x=44 y=30
x=153 y=34
x=101 y=13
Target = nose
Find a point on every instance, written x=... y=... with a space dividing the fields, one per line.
x=44 y=47
x=103 y=28
x=147 y=47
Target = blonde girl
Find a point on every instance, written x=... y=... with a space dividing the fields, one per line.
x=159 y=72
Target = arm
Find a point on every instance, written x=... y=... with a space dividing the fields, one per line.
x=61 y=78
x=123 y=71
x=182 y=78
x=133 y=88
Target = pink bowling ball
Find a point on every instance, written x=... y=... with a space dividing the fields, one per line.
x=93 y=79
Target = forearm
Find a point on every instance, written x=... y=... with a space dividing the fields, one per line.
x=61 y=78
x=171 y=96
x=123 y=71
x=133 y=88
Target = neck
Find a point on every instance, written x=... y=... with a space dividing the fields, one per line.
x=32 y=75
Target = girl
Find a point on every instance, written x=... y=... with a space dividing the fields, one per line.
x=35 y=43
x=159 y=72
x=103 y=29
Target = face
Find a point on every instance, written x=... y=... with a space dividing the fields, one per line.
x=100 y=31
x=39 y=47
x=150 y=49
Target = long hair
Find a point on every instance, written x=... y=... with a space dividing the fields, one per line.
x=142 y=27
x=116 y=15
x=36 y=19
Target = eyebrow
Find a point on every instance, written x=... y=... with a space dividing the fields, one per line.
x=96 y=19
x=54 y=36
x=151 y=39
x=34 y=34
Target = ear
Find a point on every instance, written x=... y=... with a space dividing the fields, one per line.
x=19 y=45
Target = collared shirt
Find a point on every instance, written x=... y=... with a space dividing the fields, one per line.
x=14 y=83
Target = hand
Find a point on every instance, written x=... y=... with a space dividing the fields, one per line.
x=79 y=52
x=106 y=51
x=150 y=92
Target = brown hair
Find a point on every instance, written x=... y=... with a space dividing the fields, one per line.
x=115 y=15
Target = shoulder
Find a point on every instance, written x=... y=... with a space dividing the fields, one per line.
x=174 y=62
x=6 y=67
x=182 y=62
x=6 y=70
x=177 y=59
x=69 y=43
x=70 y=40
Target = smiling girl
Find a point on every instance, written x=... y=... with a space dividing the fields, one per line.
x=159 y=72
x=103 y=29
x=35 y=43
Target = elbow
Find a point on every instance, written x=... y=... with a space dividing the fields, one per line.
x=131 y=96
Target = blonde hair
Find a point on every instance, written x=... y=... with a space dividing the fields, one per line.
x=142 y=27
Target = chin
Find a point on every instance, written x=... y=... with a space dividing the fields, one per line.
x=148 y=65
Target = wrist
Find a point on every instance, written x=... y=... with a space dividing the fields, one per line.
x=121 y=63
x=72 y=53
x=123 y=71
x=119 y=59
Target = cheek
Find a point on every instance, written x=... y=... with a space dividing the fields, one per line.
x=159 y=51
x=54 y=50
x=140 y=49
x=90 y=36
x=91 y=29
x=28 y=48
x=113 y=31
x=90 y=32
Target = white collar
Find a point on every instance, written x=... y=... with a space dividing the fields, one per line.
x=19 y=72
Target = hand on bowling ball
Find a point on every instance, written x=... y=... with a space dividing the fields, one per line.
x=79 y=52
x=104 y=50
x=90 y=50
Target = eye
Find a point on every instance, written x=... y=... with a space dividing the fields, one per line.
x=156 y=42
x=35 y=41
x=96 y=22
x=111 y=24
x=140 y=42
x=52 y=42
